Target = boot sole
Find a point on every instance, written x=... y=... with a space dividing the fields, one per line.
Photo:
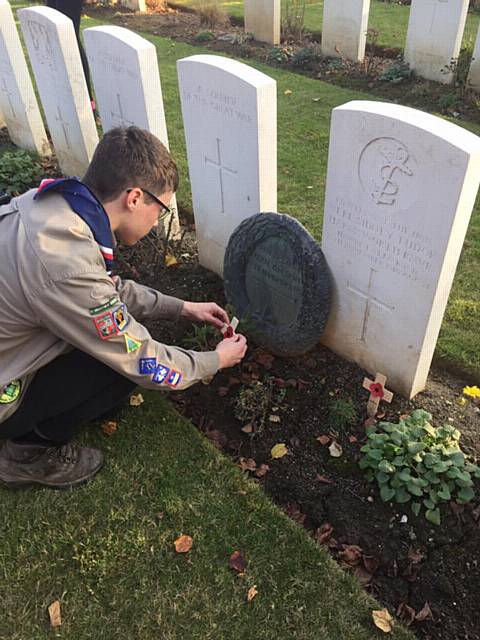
x=28 y=482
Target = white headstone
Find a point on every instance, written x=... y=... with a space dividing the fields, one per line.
x=401 y=186
x=474 y=75
x=134 y=5
x=435 y=31
x=53 y=50
x=126 y=79
x=262 y=18
x=18 y=103
x=344 y=28
x=230 y=118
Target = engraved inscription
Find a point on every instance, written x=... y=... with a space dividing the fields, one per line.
x=274 y=282
x=115 y=64
x=42 y=43
x=391 y=246
x=386 y=171
x=220 y=102
x=122 y=120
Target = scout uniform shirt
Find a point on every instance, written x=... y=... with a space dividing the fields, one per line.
x=55 y=294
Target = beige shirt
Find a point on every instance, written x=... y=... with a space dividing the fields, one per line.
x=55 y=294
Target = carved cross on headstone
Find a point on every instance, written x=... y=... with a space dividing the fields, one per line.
x=59 y=118
x=377 y=393
x=4 y=88
x=119 y=116
x=370 y=299
x=218 y=164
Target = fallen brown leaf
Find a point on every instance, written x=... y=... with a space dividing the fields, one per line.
x=336 y=450
x=293 y=511
x=183 y=544
x=217 y=437
x=233 y=381
x=425 y=613
x=406 y=613
x=247 y=464
x=279 y=451
x=262 y=470
x=415 y=555
x=324 y=479
x=237 y=562
x=136 y=400
x=369 y=422
x=109 y=427
x=248 y=428
x=351 y=554
x=252 y=592
x=362 y=575
x=323 y=440
x=352 y=439
x=54 y=614
x=324 y=533
x=371 y=564
x=222 y=391
x=274 y=418
x=383 y=620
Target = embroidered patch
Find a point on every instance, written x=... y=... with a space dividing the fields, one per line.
x=174 y=378
x=147 y=366
x=160 y=374
x=106 y=326
x=94 y=311
x=10 y=392
x=132 y=344
x=120 y=317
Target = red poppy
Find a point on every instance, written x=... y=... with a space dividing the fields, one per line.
x=228 y=333
x=376 y=389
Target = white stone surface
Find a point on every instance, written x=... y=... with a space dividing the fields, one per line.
x=401 y=186
x=344 y=28
x=474 y=75
x=18 y=104
x=434 y=37
x=134 y=5
x=262 y=18
x=53 y=50
x=126 y=79
x=230 y=118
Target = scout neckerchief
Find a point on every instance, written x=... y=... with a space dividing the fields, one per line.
x=87 y=206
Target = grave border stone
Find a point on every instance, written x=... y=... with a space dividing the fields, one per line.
x=307 y=329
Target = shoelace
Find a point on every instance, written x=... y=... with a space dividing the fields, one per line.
x=66 y=452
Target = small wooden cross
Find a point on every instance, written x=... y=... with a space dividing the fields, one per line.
x=377 y=393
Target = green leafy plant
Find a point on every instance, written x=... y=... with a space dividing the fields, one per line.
x=304 y=57
x=201 y=337
x=342 y=414
x=204 y=36
x=254 y=401
x=19 y=171
x=414 y=461
x=449 y=101
x=279 y=54
x=397 y=73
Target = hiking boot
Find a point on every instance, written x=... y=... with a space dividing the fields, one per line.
x=58 y=467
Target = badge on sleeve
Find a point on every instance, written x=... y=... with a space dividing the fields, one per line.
x=10 y=392
x=106 y=326
x=120 y=317
x=94 y=311
x=132 y=344
x=174 y=378
x=147 y=366
x=161 y=373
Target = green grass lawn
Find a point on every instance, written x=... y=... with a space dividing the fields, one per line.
x=106 y=550
x=390 y=20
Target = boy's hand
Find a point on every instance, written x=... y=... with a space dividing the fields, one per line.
x=231 y=350
x=208 y=312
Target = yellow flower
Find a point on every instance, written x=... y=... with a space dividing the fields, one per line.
x=472 y=392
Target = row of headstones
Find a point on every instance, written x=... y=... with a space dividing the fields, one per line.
x=434 y=36
x=401 y=184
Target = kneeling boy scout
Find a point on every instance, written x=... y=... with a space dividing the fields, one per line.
x=72 y=345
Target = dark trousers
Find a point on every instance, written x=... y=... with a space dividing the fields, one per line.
x=72 y=389
x=73 y=10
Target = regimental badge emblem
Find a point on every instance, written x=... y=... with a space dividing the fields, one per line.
x=106 y=326
x=120 y=317
x=10 y=392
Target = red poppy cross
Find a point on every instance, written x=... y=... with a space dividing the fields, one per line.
x=377 y=393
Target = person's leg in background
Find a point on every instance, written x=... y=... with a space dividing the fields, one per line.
x=73 y=10
x=72 y=389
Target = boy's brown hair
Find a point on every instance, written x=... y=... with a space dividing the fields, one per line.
x=130 y=157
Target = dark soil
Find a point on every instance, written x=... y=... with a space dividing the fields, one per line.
x=412 y=567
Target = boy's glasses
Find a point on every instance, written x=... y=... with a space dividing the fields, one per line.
x=166 y=211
